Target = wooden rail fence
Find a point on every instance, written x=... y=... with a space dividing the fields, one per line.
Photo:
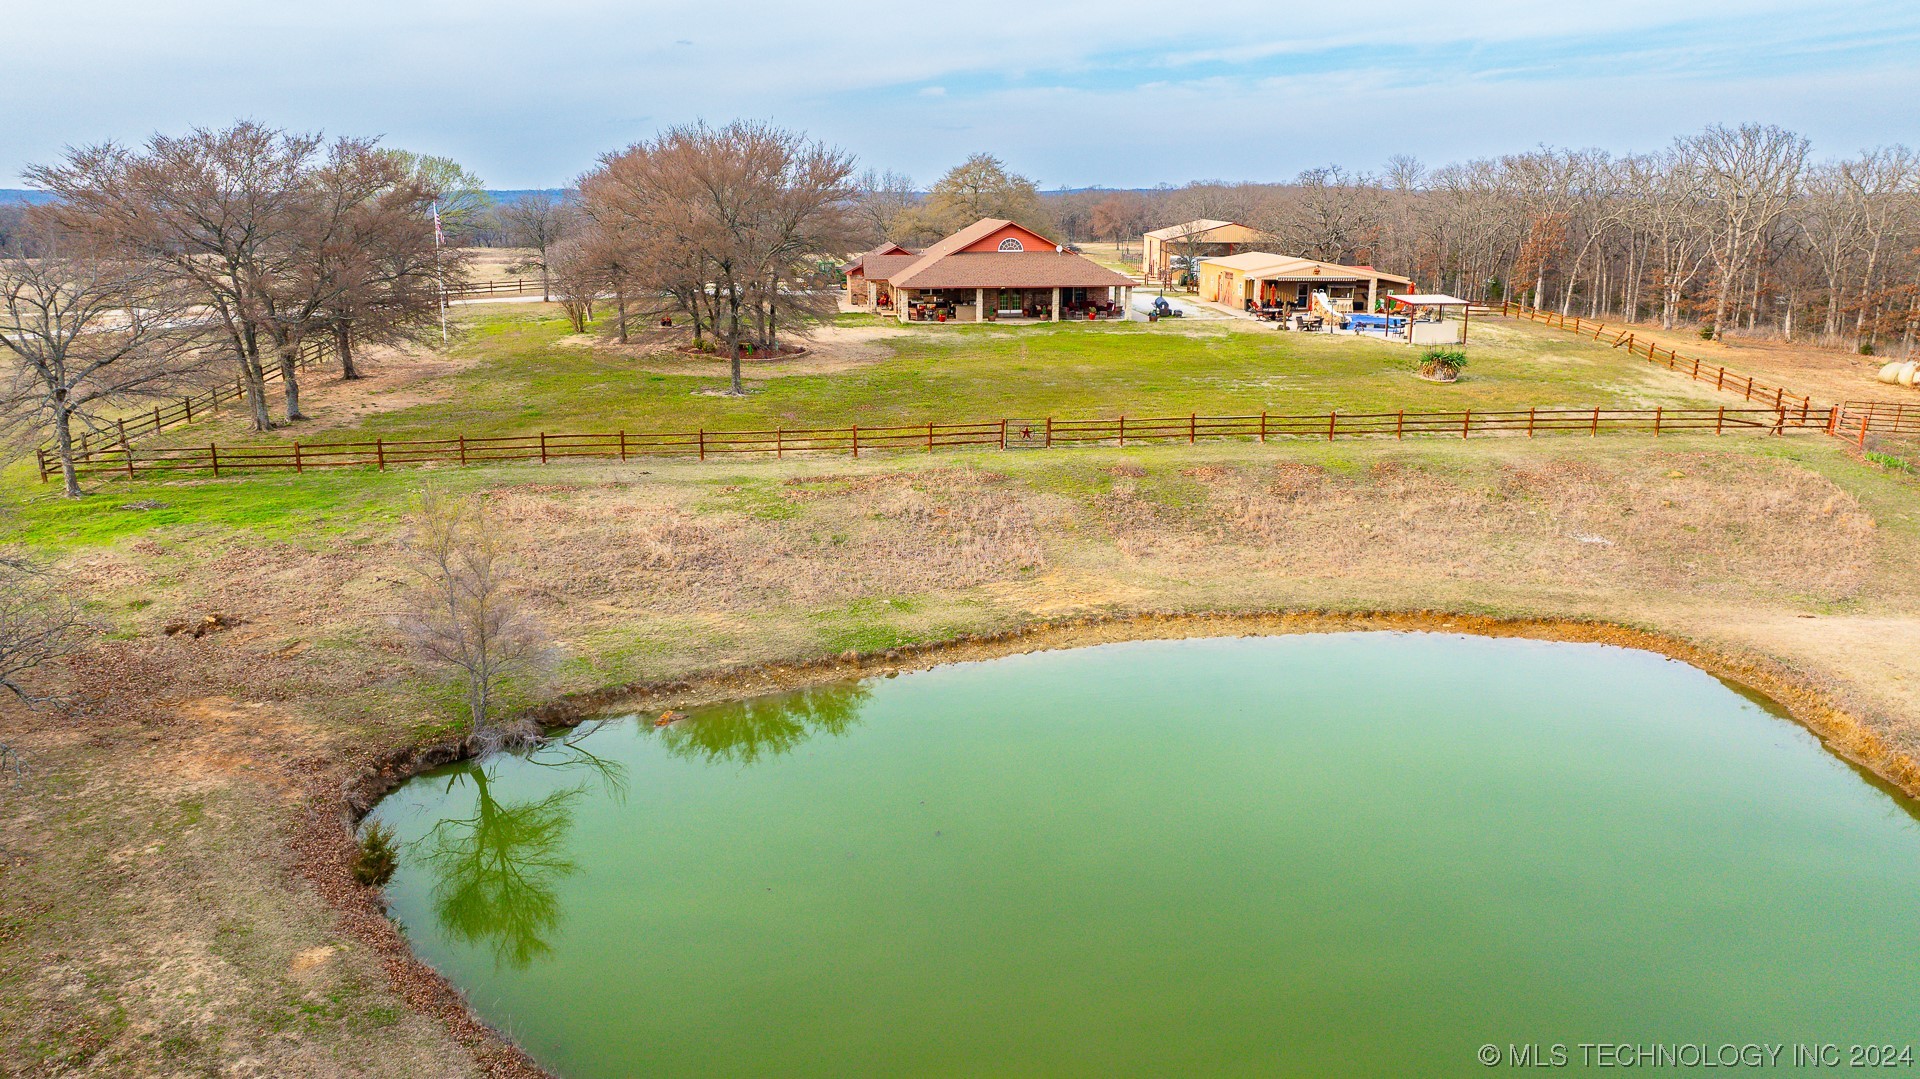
x=162 y=415
x=1722 y=378
x=1003 y=434
x=519 y=286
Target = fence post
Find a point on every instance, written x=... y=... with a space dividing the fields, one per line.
x=1596 y=423
x=929 y=437
x=187 y=403
x=1263 y=425
x=1696 y=368
x=1193 y=425
x=463 y=448
x=623 y=445
x=1720 y=421
x=703 y=444
x=1123 y=429
x=156 y=419
x=1530 y=423
x=1833 y=420
x=213 y=454
x=1749 y=387
x=380 y=454
x=1720 y=378
x=1779 y=421
x=543 y=447
x=1865 y=419
x=1400 y=426
x=296 y=460
x=40 y=455
x=856 y=440
x=1049 y=443
x=1333 y=421
x=128 y=450
x=779 y=443
x=1003 y=434
x=1658 y=409
x=1466 y=423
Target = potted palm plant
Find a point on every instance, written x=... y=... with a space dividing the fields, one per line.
x=1442 y=364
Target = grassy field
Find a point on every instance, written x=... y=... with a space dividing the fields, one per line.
x=519 y=371
x=155 y=918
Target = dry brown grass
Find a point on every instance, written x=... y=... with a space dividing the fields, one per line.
x=806 y=542
x=1685 y=522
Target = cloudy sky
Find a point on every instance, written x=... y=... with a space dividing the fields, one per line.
x=1116 y=93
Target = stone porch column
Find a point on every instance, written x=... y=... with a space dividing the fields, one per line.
x=1055 y=313
x=1126 y=303
x=979 y=305
x=873 y=296
x=1373 y=294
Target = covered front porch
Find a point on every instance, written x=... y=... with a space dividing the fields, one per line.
x=1014 y=304
x=1279 y=298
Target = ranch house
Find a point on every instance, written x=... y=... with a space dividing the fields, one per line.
x=990 y=270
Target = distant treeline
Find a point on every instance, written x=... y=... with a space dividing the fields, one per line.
x=1733 y=229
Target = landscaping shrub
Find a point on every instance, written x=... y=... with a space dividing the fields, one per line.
x=1866 y=348
x=1706 y=332
x=1442 y=363
x=373 y=866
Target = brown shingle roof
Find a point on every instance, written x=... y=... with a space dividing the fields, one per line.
x=884 y=267
x=886 y=250
x=1009 y=269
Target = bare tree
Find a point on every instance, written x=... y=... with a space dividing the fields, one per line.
x=1748 y=174
x=1118 y=218
x=40 y=623
x=81 y=334
x=216 y=208
x=379 y=273
x=727 y=221
x=466 y=614
x=536 y=221
x=880 y=201
x=577 y=279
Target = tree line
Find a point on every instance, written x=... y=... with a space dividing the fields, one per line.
x=156 y=268
x=1735 y=229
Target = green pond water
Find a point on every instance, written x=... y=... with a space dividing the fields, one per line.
x=1341 y=854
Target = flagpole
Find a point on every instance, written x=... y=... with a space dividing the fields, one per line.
x=439 y=271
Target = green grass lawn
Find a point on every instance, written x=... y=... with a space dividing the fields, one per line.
x=530 y=376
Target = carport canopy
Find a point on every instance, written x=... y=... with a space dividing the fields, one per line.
x=1435 y=299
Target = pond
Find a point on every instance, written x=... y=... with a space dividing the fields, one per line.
x=1341 y=853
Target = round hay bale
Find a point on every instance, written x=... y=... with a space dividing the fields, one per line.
x=1906 y=373
x=1890 y=373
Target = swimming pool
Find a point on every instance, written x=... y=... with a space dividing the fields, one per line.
x=1392 y=323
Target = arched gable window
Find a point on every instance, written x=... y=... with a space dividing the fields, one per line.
x=1011 y=244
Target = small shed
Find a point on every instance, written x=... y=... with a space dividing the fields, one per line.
x=1430 y=324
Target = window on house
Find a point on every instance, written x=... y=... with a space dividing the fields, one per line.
x=1011 y=244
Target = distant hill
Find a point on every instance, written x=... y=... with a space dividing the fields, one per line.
x=512 y=194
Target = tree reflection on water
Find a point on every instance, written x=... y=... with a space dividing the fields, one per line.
x=743 y=732
x=496 y=870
